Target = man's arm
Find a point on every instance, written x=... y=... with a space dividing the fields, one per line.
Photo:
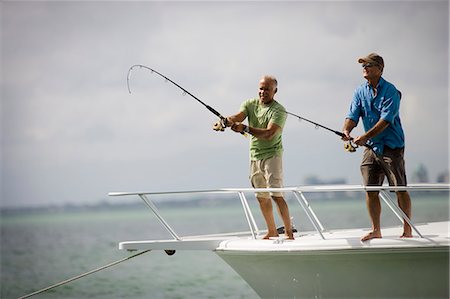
x=220 y=125
x=349 y=125
x=237 y=118
x=379 y=127
x=259 y=133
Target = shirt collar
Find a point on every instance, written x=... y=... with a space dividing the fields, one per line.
x=380 y=83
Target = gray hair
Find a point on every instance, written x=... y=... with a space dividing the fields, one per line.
x=271 y=78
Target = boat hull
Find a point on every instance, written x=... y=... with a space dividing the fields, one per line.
x=352 y=273
x=325 y=263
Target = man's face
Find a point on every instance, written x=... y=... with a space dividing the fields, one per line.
x=371 y=71
x=267 y=90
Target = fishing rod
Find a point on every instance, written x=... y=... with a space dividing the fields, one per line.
x=316 y=124
x=223 y=120
x=348 y=146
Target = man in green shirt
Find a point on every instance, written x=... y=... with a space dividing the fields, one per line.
x=266 y=119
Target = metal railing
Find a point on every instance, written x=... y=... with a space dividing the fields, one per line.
x=299 y=194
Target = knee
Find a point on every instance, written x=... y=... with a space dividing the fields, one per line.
x=372 y=194
x=278 y=199
x=403 y=195
x=263 y=200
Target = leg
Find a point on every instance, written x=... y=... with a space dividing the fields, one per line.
x=394 y=166
x=265 y=202
x=374 y=208
x=266 y=209
x=373 y=175
x=283 y=210
x=404 y=202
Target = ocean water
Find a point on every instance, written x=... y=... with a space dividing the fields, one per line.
x=41 y=248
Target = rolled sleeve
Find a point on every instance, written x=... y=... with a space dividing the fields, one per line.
x=355 y=108
x=390 y=106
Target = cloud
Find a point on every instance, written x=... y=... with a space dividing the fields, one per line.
x=71 y=132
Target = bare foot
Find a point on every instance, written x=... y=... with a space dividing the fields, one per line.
x=289 y=235
x=407 y=232
x=269 y=235
x=371 y=235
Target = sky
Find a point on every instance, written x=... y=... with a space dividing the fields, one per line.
x=71 y=132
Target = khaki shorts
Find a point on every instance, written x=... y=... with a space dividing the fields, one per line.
x=390 y=165
x=267 y=173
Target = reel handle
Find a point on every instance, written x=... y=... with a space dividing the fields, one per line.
x=350 y=147
x=221 y=124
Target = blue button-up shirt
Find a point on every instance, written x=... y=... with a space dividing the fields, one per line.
x=371 y=108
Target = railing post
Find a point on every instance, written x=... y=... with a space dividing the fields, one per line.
x=248 y=215
x=397 y=211
x=252 y=219
x=152 y=206
x=309 y=212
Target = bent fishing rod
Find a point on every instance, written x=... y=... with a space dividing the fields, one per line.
x=214 y=111
x=185 y=91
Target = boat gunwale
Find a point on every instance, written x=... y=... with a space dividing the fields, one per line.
x=425 y=240
x=306 y=188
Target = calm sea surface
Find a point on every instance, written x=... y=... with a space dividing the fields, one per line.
x=39 y=249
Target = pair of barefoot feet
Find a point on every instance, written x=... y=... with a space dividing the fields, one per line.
x=369 y=236
x=377 y=234
x=288 y=235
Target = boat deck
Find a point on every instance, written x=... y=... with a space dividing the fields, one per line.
x=435 y=234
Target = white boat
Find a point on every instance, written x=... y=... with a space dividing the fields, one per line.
x=324 y=263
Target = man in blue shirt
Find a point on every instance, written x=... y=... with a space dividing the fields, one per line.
x=377 y=103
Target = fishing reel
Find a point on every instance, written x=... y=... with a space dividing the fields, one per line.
x=220 y=125
x=350 y=147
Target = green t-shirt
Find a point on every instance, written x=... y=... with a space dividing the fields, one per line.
x=259 y=116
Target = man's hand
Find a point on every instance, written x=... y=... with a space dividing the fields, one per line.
x=346 y=136
x=221 y=124
x=349 y=125
x=361 y=140
x=238 y=127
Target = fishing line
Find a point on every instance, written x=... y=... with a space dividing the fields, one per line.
x=83 y=275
